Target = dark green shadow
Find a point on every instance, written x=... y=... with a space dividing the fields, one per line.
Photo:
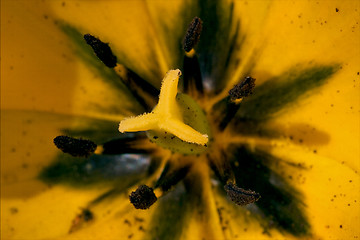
x=278 y=93
x=281 y=205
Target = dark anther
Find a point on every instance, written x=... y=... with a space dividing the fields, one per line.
x=242 y=89
x=192 y=36
x=143 y=197
x=240 y=196
x=75 y=147
x=102 y=50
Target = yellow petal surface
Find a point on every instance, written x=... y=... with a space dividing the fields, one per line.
x=39 y=70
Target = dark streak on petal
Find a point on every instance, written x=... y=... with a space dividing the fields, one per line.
x=279 y=92
x=85 y=52
x=219 y=38
x=108 y=75
x=124 y=185
x=171 y=215
x=122 y=170
x=281 y=203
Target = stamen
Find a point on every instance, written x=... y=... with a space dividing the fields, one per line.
x=240 y=196
x=129 y=144
x=170 y=177
x=145 y=93
x=102 y=50
x=192 y=74
x=231 y=110
x=134 y=81
x=242 y=89
x=227 y=108
x=192 y=36
x=143 y=197
x=221 y=168
x=75 y=147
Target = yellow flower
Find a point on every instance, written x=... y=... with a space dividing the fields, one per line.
x=295 y=141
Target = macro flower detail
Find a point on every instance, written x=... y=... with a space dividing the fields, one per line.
x=239 y=140
x=166 y=115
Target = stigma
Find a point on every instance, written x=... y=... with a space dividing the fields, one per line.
x=166 y=116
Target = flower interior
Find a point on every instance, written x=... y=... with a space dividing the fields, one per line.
x=190 y=135
x=178 y=124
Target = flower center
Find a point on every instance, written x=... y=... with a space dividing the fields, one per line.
x=177 y=122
